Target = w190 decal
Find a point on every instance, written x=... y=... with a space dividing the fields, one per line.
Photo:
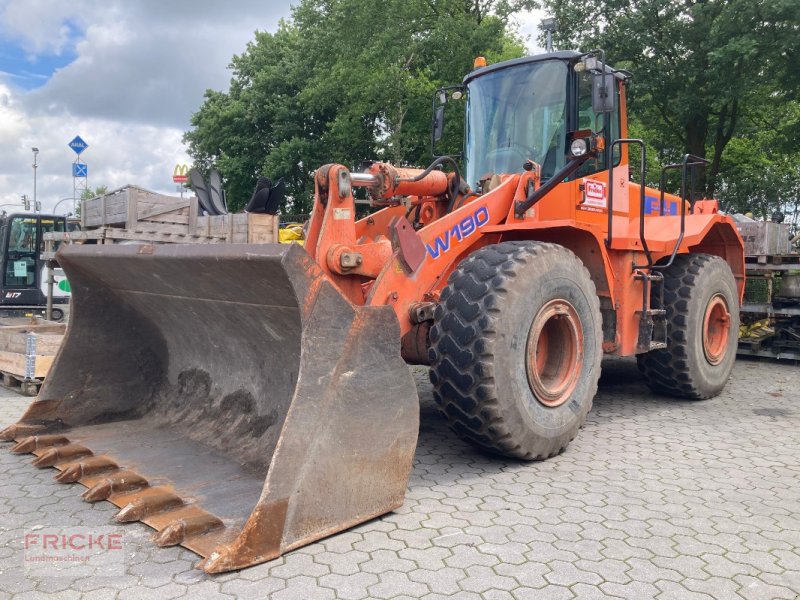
x=465 y=228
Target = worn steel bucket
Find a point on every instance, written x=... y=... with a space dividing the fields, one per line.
x=226 y=395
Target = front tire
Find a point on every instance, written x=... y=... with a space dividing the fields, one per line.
x=702 y=304
x=516 y=347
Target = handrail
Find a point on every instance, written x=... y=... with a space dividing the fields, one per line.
x=689 y=161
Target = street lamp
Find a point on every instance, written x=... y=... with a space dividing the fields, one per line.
x=550 y=25
x=4 y=212
x=35 y=166
x=70 y=198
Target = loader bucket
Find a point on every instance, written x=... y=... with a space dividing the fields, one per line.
x=228 y=396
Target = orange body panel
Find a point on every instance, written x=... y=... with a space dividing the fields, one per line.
x=574 y=214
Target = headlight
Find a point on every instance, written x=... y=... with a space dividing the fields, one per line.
x=579 y=147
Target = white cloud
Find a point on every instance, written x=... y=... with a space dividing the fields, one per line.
x=118 y=153
x=528 y=26
x=141 y=70
x=151 y=61
x=40 y=25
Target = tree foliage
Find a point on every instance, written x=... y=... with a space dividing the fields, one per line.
x=351 y=80
x=714 y=78
x=760 y=170
x=90 y=193
x=343 y=81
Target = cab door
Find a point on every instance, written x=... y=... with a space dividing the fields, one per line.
x=593 y=174
x=20 y=272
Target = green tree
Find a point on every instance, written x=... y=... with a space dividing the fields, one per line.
x=91 y=193
x=343 y=81
x=760 y=170
x=700 y=66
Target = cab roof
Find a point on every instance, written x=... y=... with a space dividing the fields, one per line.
x=32 y=215
x=565 y=55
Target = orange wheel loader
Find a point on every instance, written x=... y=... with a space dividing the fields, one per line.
x=245 y=400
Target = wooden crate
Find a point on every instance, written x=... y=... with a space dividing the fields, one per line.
x=764 y=238
x=130 y=205
x=262 y=229
x=27 y=351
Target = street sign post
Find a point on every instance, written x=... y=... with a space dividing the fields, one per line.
x=78 y=145
x=80 y=170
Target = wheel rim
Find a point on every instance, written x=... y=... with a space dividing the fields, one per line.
x=554 y=352
x=716 y=329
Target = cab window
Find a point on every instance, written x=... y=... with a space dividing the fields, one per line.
x=49 y=225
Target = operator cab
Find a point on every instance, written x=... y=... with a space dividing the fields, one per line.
x=526 y=109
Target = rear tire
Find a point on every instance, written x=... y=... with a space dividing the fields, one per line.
x=702 y=304
x=516 y=348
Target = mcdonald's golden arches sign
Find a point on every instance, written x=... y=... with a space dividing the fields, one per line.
x=180 y=174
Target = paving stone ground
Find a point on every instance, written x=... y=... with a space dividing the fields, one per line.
x=656 y=498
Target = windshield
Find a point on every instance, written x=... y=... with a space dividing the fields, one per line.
x=516 y=114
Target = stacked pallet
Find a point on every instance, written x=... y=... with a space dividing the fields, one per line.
x=27 y=350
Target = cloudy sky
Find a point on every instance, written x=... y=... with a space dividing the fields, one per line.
x=125 y=76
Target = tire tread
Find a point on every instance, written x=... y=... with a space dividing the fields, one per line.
x=463 y=337
x=667 y=371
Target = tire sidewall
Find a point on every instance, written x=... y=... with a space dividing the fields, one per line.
x=715 y=278
x=546 y=278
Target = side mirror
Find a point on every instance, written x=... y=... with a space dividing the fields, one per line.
x=441 y=98
x=603 y=93
x=438 y=123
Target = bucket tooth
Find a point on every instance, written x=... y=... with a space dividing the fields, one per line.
x=12 y=432
x=219 y=561
x=37 y=442
x=123 y=481
x=70 y=475
x=74 y=471
x=201 y=564
x=150 y=501
x=179 y=529
x=58 y=454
